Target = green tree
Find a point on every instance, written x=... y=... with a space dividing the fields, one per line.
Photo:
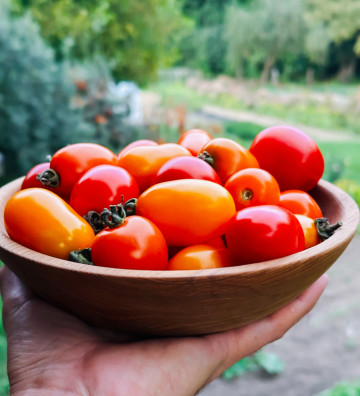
x=262 y=34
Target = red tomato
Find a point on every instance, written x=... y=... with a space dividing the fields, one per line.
x=262 y=233
x=31 y=180
x=136 y=244
x=227 y=157
x=310 y=231
x=290 y=155
x=186 y=168
x=187 y=211
x=194 y=140
x=102 y=186
x=144 y=162
x=71 y=162
x=200 y=257
x=300 y=202
x=252 y=187
x=136 y=143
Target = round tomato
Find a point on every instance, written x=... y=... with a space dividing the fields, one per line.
x=69 y=163
x=194 y=140
x=186 y=168
x=42 y=221
x=201 y=256
x=262 y=233
x=290 y=155
x=187 y=211
x=227 y=157
x=143 y=162
x=310 y=231
x=136 y=143
x=252 y=187
x=102 y=186
x=31 y=179
x=300 y=202
x=136 y=244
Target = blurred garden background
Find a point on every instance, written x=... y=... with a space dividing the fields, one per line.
x=114 y=71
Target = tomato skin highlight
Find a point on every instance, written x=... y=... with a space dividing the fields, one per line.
x=262 y=233
x=42 y=221
x=143 y=162
x=200 y=256
x=290 y=155
x=186 y=168
x=136 y=244
x=187 y=211
x=228 y=157
x=102 y=186
x=300 y=202
x=136 y=143
x=72 y=161
x=310 y=231
x=194 y=140
x=252 y=187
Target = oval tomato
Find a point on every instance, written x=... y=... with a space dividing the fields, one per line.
x=186 y=168
x=187 y=211
x=201 y=256
x=227 y=157
x=144 y=162
x=262 y=233
x=290 y=155
x=252 y=187
x=300 y=202
x=102 y=186
x=136 y=143
x=310 y=231
x=69 y=163
x=136 y=244
x=194 y=140
x=42 y=221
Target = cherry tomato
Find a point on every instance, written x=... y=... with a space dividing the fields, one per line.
x=186 y=168
x=136 y=244
x=227 y=157
x=144 y=162
x=194 y=140
x=300 y=202
x=200 y=257
x=290 y=155
x=310 y=231
x=31 y=180
x=71 y=162
x=253 y=186
x=102 y=186
x=187 y=211
x=136 y=143
x=42 y=221
x=262 y=233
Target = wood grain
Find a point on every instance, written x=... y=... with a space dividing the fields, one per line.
x=180 y=302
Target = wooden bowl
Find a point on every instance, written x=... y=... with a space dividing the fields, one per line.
x=166 y=303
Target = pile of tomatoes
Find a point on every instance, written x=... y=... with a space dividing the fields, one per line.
x=202 y=202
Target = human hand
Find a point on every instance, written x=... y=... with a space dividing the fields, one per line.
x=53 y=353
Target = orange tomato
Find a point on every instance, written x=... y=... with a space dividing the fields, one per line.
x=136 y=143
x=187 y=211
x=227 y=157
x=310 y=231
x=201 y=256
x=40 y=220
x=143 y=162
x=194 y=140
x=300 y=202
x=253 y=186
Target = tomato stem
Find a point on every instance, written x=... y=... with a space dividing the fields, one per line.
x=324 y=229
x=247 y=194
x=114 y=217
x=205 y=156
x=130 y=206
x=95 y=220
x=82 y=256
x=49 y=178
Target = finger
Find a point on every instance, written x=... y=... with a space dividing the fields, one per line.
x=233 y=345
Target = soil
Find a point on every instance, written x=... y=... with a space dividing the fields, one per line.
x=321 y=350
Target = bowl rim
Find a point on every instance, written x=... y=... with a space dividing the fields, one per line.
x=350 y=218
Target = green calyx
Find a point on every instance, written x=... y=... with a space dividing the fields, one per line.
x=205 y=156
x=114 y=217
x=324 y=229
x=82 y=256
x=49 y=178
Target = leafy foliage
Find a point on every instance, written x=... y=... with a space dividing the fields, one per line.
x=343 y=389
